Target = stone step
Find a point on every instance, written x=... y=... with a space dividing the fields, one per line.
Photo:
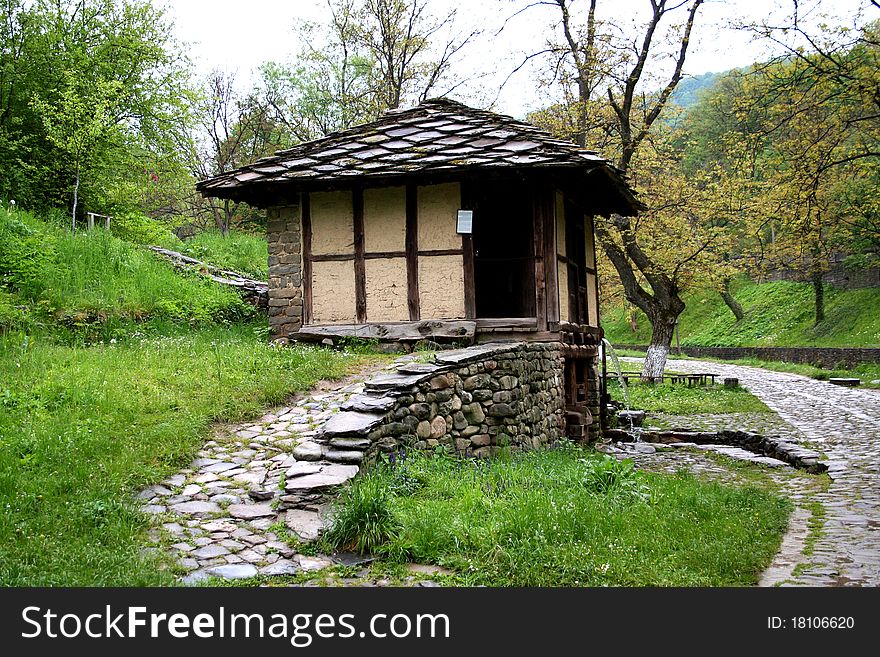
x=350 y=443
x=331 y=474
x=369 y=404
x=349 y=423
x=344 y=456
x=384 y=382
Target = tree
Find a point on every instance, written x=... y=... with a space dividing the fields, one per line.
x=371 y=56
x=798 y=138
x=233 y=129
x=603 y=74
x=45 y=46
x=79 y=121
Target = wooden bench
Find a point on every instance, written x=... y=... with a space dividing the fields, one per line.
x=696 y=379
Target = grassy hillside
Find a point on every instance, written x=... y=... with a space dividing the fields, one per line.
x=778 y=314
x=94 y=280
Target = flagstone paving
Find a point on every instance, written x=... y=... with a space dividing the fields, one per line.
x=843 y=424
x=256 y=484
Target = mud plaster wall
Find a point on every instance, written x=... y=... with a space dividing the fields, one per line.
x=592 y=302
x=386 y=290
x=332 y=224
x=385 y=221
x=438 y=206
x=441 y=287
x=333 y=295
x=285 y=270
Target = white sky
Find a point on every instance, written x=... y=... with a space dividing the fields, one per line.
x=238 y=36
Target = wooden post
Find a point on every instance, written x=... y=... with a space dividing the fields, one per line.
x=360 y=272
x=538 y=227
x=107 y=222
x=412 y=252
x=90 y=220
x=306 y=206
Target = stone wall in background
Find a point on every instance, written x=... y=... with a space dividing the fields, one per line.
x=827 y=357
x=285 y=271
x=472 y=401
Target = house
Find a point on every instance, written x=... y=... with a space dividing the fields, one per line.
x=439 y=222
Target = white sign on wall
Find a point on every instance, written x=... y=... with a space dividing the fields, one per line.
x=465 y=223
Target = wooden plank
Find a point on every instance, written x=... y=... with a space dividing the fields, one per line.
x=391 y=331
x=470 y=287
x=442 y=252
x=516 y=336
x=360 y=270
x=551 y=271
x=379 y=255
x=306 y=206
x=467 y=247
x=507 y=323
x=412 y=252
x=333 y=257
x=539 y=243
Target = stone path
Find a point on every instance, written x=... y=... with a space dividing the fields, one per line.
x=844 y=424
x=252 y=487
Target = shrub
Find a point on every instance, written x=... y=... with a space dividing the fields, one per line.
x=24 y=253
x=613 y=478
x=363 y=520
x=140 y=229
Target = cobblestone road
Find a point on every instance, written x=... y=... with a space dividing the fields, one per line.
x=844 y=424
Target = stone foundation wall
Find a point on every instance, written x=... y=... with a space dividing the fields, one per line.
x=285 y=271
x=472 y=401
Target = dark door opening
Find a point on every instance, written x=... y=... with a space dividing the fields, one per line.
x=504 y=256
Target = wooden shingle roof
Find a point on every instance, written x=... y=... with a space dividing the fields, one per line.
x=438 y=136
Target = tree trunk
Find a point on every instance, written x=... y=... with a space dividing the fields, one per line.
x=634 y=320
x=730 y=302
x=819 y=291
x=662 y=330
x=75 y=201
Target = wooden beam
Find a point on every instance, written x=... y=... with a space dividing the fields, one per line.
x=391 y=331
x=306 y=206
x=412 y=251
x=360 y=270
x=333 y=257
x=516 y=336
x=507 y=323
x=551 y=271
x=539 y=244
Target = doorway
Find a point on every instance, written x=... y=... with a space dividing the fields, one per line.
x=504 y=252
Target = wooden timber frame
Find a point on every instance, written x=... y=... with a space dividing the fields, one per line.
x=545 y=325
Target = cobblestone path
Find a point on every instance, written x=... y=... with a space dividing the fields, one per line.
x=844 y=424
x=255 y=495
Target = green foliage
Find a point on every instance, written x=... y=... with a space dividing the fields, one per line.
x=777 y=314
x=88 y=279
x=244 y=253
x=614 y=479
x=138 y=228
x=561 y=517
x=679 y=399
x=94 y=85
x=83 y=429
x=25 y=251
x=363 y=519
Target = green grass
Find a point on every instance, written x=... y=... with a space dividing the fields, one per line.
x=241 y=252
x=777 y=314
x=82 y=429
x=540 y=519
x=95 y=280
x=678 y=399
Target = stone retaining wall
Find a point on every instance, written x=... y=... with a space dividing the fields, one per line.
x=826 y=357
x=472 y=401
